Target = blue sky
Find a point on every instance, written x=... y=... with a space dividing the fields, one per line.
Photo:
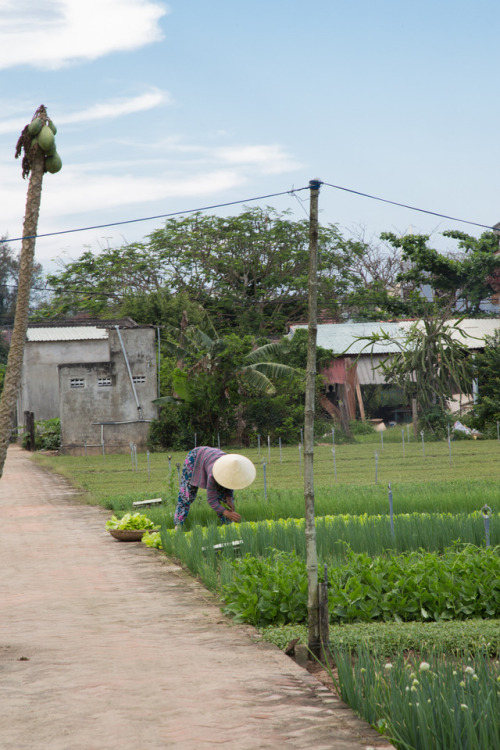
x=166 y=107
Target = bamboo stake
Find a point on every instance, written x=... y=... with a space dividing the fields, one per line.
x=314 y=636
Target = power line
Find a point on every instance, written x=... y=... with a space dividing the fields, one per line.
x=160 y=216
x=292 y=192
x=404 y=205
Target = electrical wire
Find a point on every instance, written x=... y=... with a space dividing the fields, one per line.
x=292 y=192
x=159 y=216
x=404 y=205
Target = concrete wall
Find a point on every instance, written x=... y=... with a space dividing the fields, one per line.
x=94 y=395
x=39 y=391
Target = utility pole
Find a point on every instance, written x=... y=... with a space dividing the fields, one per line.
x=314 y=638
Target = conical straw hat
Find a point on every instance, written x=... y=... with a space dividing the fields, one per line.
x=234 y=471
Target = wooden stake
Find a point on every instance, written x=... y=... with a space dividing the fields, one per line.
x=314 y=636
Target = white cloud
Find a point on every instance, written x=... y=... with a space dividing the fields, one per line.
x=50 y=34
x=118 y=107
x=268 y=159
x=170 y=174
x=81 y=192
x=104 y=110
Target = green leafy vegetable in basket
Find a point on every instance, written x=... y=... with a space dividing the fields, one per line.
x=131 y=521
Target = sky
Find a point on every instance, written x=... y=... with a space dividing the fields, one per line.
x=169 y=107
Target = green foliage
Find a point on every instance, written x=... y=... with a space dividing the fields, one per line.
x=432 y=365
x=426 y=483
x=47 y=435
x=459 y=584
x=224 y=383
x=417 y=586
x=9 y=273
x=459 y=281
x=280 y=416
x=462 y=637
x=152 y=539
x=361 y=428
x=130 y=521
x=430 y=701
x=487 y=370
x=267 y=591
x=249 y=272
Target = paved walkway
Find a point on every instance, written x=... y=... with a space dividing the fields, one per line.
x=105 y=645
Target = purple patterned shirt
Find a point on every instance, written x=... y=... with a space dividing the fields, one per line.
x=203 y=477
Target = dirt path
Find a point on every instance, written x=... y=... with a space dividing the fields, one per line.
x=109 y=645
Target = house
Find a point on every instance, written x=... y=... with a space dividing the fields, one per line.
x=356 y=361
x=100 y=380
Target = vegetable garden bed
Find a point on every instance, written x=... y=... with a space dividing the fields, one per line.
x=426 y=583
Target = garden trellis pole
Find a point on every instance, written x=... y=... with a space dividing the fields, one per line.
x=314 y=638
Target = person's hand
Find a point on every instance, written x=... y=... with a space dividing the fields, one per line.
x=232 y=515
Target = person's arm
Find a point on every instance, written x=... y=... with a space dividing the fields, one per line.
x=216 y=497
x=229 y=512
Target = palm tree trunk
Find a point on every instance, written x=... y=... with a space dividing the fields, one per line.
x=16 y=352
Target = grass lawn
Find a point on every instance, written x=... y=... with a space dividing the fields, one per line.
x=423 y=479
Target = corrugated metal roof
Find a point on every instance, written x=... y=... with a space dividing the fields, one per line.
x=475 y=330
x=344 y=338
x=66 y=333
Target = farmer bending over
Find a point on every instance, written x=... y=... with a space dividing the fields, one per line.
x=219 y=473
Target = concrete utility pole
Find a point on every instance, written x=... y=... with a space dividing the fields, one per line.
x=314 y=639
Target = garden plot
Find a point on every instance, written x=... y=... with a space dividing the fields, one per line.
x=435 y=566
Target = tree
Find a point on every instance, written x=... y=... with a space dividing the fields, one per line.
x=248 y=272
x=375 y=266
x=431 y=366
x=217 y=377
x=459 y=281
x=35 y=162
x=9 y=273
x=486 y=412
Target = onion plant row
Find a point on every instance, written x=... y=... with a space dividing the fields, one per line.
x=336 y=535
x=433 y=702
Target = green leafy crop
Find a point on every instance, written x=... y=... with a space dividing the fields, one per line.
x=130 y=521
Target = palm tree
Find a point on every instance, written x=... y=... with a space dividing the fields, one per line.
x=33 y=164
x=203 y=354
x=201 y=350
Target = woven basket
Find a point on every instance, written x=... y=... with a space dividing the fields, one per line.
x=127 y=535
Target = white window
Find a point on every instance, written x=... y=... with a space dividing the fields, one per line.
x=138 y=379
x=101 y=382
x=77 y=383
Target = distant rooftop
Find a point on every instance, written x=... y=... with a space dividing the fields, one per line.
x=347 y=338
x=66 y=333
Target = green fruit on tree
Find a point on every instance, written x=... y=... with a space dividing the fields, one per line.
x=53 y=163
x=46 y=138
x=52 y=127
x=35 y=126
x=52 y=150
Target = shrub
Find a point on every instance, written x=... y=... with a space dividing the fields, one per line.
x=47 y=435
x=171 y=430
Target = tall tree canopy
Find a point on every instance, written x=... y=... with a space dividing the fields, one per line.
x=248 y=270
x=459 y=281
x=9 y=274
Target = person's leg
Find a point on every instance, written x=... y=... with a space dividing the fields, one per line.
x=187 y=493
